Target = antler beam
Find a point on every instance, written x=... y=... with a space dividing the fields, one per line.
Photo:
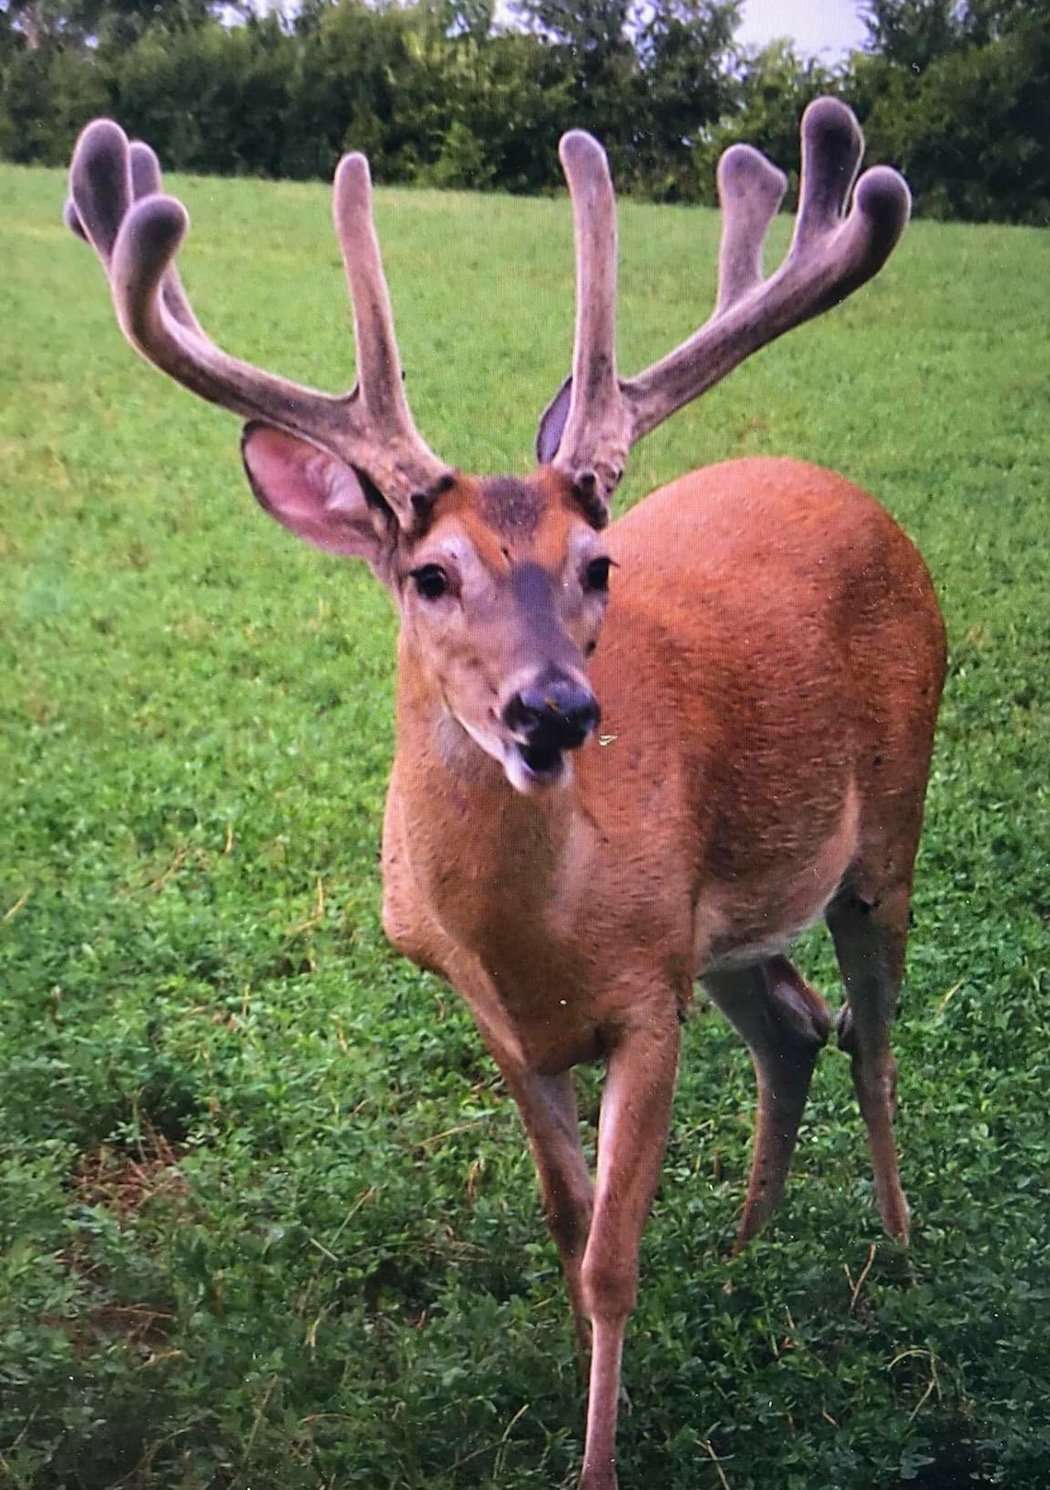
x=118 y=207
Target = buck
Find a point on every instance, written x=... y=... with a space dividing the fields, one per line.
x=759 y=641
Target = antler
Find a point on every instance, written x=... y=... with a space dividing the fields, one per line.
x=117 y=206
x=596 y=417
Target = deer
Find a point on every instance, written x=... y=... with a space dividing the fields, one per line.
x=631 y=756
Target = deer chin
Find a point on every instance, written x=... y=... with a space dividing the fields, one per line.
x=530 y=769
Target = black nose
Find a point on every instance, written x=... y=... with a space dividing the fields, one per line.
x=556 y=712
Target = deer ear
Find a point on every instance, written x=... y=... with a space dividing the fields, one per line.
x=317 y=496
x=552 y=424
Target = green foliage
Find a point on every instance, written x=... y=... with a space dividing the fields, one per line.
x=463 y=159
x=75 y=23
x=972 y=132
x=685 y=85
x=46 y=96
x=445 y=93
x=216 y=96
x=648 y=79
x=266 y=1215
x=915 y=33
x=912 y=33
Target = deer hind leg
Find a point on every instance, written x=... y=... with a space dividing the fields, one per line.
x=784 y=1023
x=870 y=935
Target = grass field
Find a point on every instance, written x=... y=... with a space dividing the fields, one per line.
x=266 y=1217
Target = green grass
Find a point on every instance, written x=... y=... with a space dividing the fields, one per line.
x=266 y=1218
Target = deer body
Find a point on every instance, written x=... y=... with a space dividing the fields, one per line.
x=773 y=646
x=760 y=643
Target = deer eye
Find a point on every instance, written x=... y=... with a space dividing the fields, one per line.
x=596 y=575
x=431 y=581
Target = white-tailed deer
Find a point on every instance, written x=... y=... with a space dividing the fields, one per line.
x=761 y=643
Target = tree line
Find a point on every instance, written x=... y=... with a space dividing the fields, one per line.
x=955 y=93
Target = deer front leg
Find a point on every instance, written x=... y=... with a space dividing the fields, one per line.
x=784 y=1023
x=632 y=1135
x=548 y=1111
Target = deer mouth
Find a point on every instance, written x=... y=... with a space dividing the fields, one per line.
x=535 y=767
x=543 y=760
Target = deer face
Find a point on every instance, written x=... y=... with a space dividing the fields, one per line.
x=501 y=584
x=502 y=600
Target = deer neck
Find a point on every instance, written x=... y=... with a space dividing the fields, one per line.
x=481 y=853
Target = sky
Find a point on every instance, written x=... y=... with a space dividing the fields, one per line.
x=824 y=28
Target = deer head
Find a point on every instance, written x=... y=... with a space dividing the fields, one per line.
x=501 y=582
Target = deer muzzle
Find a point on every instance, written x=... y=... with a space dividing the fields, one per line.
x=552 y=714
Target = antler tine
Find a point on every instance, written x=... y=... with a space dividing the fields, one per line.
x=750 y=190
x=380 y=390
x=594 y=421
x=146 y=182
x=71 y=218
x=100 y=187
x=832 y=147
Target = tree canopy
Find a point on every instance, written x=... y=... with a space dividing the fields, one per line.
x=448 y=93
